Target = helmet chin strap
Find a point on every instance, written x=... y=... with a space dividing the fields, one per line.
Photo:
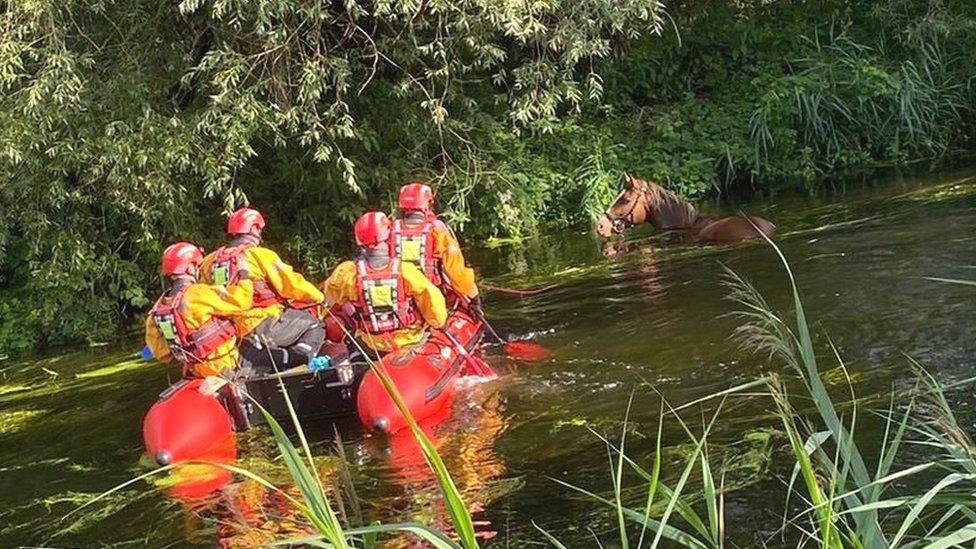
x=178 y=282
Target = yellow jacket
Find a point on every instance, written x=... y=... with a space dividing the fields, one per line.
x=201 y=302
x=448 y=251
x=264 y=264
x=342 y=286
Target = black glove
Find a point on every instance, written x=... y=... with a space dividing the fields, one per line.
x=474 y=305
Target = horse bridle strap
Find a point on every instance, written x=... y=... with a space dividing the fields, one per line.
x=628 y=217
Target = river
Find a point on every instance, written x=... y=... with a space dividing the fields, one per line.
x=653 y=319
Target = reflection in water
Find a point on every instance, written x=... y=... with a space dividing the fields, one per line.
x=465 y=439
x=245 y=514
x=249 y=514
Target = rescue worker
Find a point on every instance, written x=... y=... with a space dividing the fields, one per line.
x=192 y=323
x=274 y=337
x=394 y=303
x=419 y=237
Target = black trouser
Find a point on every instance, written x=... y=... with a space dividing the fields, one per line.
x=280 y=343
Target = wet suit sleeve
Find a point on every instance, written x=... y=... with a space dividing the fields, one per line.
x=234 y=300
x=340 y=287
x=457 y=272
x=429 y=299
x=156 y=343
x=286 y=282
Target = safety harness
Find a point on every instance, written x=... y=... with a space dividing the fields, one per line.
x=189 y=346
x=414 y=243
x=225 y=270
x=383 y=304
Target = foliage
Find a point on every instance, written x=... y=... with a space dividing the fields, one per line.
x=127 y=125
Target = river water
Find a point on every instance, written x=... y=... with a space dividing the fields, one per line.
x=651 y=321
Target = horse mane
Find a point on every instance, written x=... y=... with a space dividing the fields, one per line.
x=666 y=210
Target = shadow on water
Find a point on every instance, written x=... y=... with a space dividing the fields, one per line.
x=651 y=317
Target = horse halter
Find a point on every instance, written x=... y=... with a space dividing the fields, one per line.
x=627 y=220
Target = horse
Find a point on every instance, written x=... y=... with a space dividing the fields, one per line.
x=647 y=202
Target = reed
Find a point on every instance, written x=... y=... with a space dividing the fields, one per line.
x=841 y=501
x=847 y=504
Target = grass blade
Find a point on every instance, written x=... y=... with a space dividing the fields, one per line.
x=460 y=517
x=669 y=532
x=955 y=539
x=552 y=539
x=655 y=475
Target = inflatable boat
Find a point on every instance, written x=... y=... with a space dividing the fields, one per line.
x=196 y=416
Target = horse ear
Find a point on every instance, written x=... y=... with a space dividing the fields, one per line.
x=630 y=181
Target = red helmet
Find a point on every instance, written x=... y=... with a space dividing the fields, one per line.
x=178 y=258
x=416 y=196
x=243 y=220
x=372 y=228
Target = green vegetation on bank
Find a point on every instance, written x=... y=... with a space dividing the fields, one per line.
x=126 y=125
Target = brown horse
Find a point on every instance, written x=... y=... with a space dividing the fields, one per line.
x=647 y=202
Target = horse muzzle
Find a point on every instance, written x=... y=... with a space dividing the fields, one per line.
x=604 y=226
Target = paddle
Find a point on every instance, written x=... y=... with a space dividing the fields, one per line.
x=526 y=351
x=477 y=367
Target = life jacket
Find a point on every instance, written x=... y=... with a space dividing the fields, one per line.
x=189 y=346
x=415 y=243
x=383 y=304
x=225 y=270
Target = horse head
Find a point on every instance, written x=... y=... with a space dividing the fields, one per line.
x=627 y=210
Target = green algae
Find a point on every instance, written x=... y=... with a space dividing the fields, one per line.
x=115 y=369
x=11 y=388
x=12 y=421
x=53 y=516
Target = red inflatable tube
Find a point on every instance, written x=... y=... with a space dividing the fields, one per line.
x=188 y=424
x=423 y=376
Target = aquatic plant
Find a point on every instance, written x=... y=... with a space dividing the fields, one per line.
x=849 y=504
x=840 y=501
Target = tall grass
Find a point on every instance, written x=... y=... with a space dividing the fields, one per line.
x=834 y=499
x=848 y=103
x=847 y=503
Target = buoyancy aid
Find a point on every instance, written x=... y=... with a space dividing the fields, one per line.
x=189 y=346
x=414 y=243
x=383 y=304
x=225 y=270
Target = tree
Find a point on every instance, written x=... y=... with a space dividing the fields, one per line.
x=127 y=123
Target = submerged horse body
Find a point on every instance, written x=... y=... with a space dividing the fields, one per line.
x=647 y=202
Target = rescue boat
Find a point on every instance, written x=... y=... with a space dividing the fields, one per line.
x=196 y=416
